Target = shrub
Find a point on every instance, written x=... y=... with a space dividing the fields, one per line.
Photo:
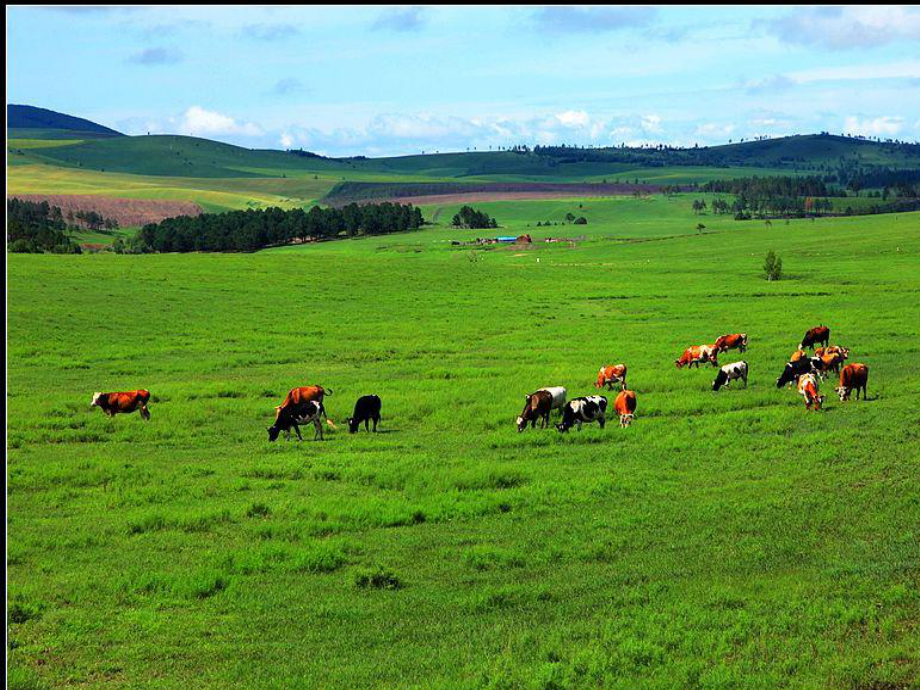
x=581 y=220
x=23 y=246
x=773 y=266
x=258 y=510
x=379 y=578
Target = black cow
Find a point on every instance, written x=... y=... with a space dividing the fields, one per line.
x=366 y=408
x=292 y=416
x=794 y=370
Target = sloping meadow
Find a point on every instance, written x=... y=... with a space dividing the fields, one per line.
x=725 y=539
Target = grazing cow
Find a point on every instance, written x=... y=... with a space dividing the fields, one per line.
x=589 y=408
x=625 y=406
x=367 y=408
x=124 y=403
x=732 y=341
x=559 y=394
x=794 y=370
x=818 y=334
x=824 y=364
x=853 y=377
x=696 y=354
x=808 y=389
x=614 y=373
x=304 y=394
x=538 y=405
x=730 y=372
x=798 y=355
x=293 y=416
x=833 y=349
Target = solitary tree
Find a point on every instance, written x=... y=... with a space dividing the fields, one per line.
x=773 y=266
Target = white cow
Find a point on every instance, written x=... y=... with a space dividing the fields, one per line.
x=559 y=393
x=730 y=372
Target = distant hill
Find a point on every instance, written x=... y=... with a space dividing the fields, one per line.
x=38 y=119
x=39 y=136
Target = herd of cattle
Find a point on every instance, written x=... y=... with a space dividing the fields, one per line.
x=304 y=405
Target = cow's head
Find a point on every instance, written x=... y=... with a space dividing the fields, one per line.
x=626 y=419
x=273 y=432
x=818 y=400
x=720 y=380
x=679 y=363
x=96 y=398
x=843 y=392
x=525 y=414
x=352 y=425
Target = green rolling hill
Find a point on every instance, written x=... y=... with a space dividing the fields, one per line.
x=53 y=153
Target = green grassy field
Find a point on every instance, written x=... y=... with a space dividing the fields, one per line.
x=728 y=540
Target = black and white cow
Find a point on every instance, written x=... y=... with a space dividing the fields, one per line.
x=590 y=408
x=730 y=372
x=293 y=415
x=367 y=408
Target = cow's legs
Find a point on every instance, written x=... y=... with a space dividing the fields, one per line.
x=367 y=423
x=297 y=429
x=319 y=428
x=145 y=413
x=602 y=421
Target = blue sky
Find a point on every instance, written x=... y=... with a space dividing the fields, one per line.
x=403 y=79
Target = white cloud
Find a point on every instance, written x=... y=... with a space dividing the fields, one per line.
x=840 y=28
x=574 y=118
x=714 y=130
x=200 y=122
x=286 y=140
x=651 y=123
x=909 y=69
x=778 y=82
x=879 y=126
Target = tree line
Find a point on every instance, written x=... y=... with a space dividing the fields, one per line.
x=37 y=227
x=251 y=230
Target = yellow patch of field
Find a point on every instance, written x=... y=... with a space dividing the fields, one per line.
x=24 y=144
x=211 y=193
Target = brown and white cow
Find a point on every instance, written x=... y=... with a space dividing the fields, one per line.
x=797 y=355
x=808 y=389
x=537 y=405
x=853 y=377
x=625 y=406
x=696 y=354
x=732 y=341
x=833 y=349
x=827 y=363
x=123 y=403
x=813 y=336
x=304 y=394
x=608 y=375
